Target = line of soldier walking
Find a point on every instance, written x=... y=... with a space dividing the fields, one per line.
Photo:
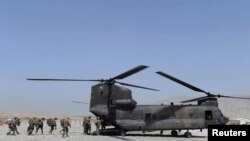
x=37 y=124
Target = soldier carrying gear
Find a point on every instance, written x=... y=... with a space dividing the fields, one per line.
x=13 y=126
x=52 y=124
x=39 y=125
x=88 y=125
x=84 y=125
x=103 y=123
x=98 y=124
x=16 y=123
x=65 y=123
x=31 y=126
x=35 y=121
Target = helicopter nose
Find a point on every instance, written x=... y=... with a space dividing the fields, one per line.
x=225 y=119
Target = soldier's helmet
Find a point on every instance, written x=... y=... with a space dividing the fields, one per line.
x=55 y=118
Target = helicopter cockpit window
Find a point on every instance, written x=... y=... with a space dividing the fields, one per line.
x=208 y=115
x=220 y=113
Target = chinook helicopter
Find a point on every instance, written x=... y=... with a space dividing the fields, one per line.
x=115 y=105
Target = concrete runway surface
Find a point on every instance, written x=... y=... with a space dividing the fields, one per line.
x=75 y=134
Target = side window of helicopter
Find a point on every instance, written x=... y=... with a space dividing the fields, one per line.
x=218 y=114
x=208 y=115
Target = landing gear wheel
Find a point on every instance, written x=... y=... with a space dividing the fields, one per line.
x=123 y=133
x=174 y=133
x=188 y=135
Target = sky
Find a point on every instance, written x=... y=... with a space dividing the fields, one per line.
x=203 y=42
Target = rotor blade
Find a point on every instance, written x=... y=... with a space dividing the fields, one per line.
x=182 y=82
x=224 y=96
x=195 y=99
x=45 y=79
x=126 y=84
x=212 y=96
x=129 y=72
x=80 y=102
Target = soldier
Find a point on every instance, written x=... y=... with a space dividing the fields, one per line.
x=31 y=126
x=11 y=129
x=84 y=125
x=61 y=123
x=35 y=121
x=65 y=123
x=39 y=125
x=13 y=126
x=88 y=125
x=103 y=123
x=97 y=124
x=16 y=122
x=52 y=124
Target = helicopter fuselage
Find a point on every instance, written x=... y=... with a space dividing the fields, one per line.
x=115 y=105
x=168 y=117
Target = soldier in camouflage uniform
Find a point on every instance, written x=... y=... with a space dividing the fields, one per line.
x=98 y=124
x=103 y=123
x=52 y=124
x=16 y=123
x=13 y=126
x=84 y=125
x=88 y=125
x=35 y=121
x=65 y=123
x=31 y=126
x=39 y=124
